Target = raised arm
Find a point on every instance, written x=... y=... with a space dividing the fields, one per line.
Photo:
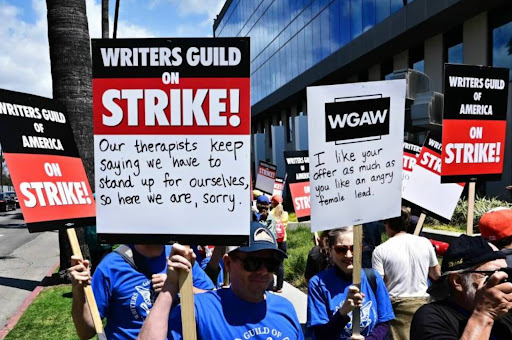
x=81 y=277
x=156 y=325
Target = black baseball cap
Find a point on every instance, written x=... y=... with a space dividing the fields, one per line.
x=468 y=251
x=260 y=238
x=463 y=253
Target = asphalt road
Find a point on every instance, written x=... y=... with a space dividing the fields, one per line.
x=25 y=259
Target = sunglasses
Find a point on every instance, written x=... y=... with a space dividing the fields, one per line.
x=252 y=263
x=488 y=273
x=341 y=250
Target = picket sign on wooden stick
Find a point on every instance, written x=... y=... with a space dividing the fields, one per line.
x=188 y=318
x=471 y=207
x=356 y=275
x=89 y=295
x=317 y=239
x=419 y=226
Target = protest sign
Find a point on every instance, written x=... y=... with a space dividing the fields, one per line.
x=474 y=123
x=301 y=199
x=297 y=166
x=266 y=177
x=172 y=139
x=425 y=190
x=411 y=152
x=46 y=170
x=356 y=155
x=278 y=187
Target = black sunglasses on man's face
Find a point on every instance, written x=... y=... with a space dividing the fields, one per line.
x=488 y=273
x=253 y=263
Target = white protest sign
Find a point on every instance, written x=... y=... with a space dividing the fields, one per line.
x=424 y=189
x=266 y=177
x=172 y=137
x=355 y=151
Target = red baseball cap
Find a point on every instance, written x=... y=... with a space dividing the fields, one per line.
x=277 y=198
x=496 y=224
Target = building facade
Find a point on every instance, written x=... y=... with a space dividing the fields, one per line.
x=300 y=43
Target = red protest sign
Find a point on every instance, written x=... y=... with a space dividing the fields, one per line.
x=301 y=199
x=474 y=123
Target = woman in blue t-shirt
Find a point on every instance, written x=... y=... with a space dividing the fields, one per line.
x=331 y=296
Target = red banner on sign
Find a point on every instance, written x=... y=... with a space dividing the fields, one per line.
x=301 y=199
x=473 y=147
x=193 y=106
x=51 y=187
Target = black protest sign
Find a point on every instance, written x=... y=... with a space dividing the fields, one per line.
x=46 y=170
x=297 y=166
x=474 y=123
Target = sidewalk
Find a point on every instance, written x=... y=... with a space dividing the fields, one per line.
x=22 y=271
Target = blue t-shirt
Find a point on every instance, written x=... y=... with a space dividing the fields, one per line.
x=221 y=315
x=124 y=295
x=327 y=292
x=220 y=277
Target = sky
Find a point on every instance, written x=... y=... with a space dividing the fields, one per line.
x=24 y=54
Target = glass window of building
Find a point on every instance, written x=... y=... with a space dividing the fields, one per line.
x=356 y=18
x=416 y=58
x=289 y=130
x=501 y=25
x=453 y=49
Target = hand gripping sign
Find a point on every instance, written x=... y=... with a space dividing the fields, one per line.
x=172 y=134
x=46 y=170
x=474 y=123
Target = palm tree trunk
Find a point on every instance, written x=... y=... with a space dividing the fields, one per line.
x=104 y=19
x=70 y=58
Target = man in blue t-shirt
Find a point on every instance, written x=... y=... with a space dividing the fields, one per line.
x=243 y=311
x=125 y=289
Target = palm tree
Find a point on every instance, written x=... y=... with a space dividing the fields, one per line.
x=104 y=19
x=71 y=68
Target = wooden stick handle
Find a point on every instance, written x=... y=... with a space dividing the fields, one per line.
x=471 y=207
x=356 y=276
x=89 y=295
x=419 y=226
x=188 y=318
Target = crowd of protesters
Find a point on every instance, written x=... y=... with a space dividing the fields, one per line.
x=404 y=293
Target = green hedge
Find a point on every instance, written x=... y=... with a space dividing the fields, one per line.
x=299 y=242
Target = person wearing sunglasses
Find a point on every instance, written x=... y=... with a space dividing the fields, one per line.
x=473 y=296
x=332 y=297
x=243 y=311
x=405 y=262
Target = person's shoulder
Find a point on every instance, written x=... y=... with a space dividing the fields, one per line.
x=321 y=278
x=278 y=300
x=431 y=309
x=111 y=259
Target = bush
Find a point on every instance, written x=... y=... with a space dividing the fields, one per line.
x=482 y=205
x=300 y=242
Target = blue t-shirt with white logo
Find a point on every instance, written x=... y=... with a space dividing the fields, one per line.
x=327 y=292
x=124 y=296
x=221 y=315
